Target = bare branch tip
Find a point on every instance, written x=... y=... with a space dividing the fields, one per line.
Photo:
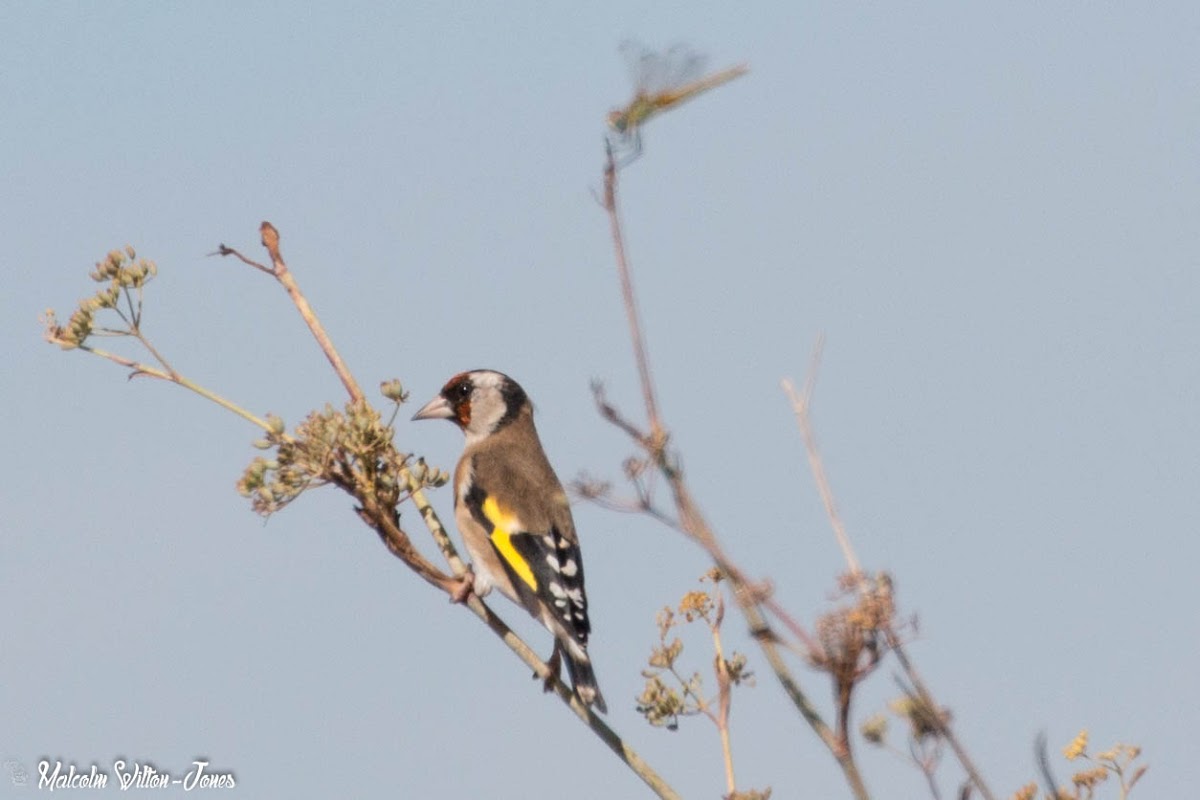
x=270 y=239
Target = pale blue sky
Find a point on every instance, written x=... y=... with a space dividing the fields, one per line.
x=990 y=213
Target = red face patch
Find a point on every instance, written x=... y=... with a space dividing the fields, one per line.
x=457 y=392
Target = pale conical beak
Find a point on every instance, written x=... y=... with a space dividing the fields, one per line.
x=437 y=408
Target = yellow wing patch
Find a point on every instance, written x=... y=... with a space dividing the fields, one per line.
x=504 y=525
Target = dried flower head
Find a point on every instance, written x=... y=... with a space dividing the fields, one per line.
x=125 y=275
x=1090 y=778
x=1077 y=747
x=660 y=704
x=696 y=605
x=1026 y=792
x=874 y=729
x=925 y=722
x=750 y=794
x=394 y=390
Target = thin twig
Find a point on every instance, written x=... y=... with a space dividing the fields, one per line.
x=430 y=517
x=223 y=250
x=137 y=332
x=780 y=613
x=627 y=295
x=801 y=403
x=614 y=742
x=926 y=697
x=386 y=523
x=724 y=692
x=1041 y=754
x=928 y=767
x=270 y=240
x=147 y=371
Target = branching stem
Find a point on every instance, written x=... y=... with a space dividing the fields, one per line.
x=748 y=596
x=145 y=370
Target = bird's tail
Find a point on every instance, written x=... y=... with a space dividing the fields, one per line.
x=583 y=681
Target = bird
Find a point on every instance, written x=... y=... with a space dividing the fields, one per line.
x=514 y=516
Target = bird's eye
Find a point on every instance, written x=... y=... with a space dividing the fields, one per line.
x=463 y=390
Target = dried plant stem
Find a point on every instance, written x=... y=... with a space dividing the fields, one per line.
x=730 y=783
x=270 y=240
x=147 y=371
x=434 y=524
x=597 y=725
x=927 y=769
x=386 y=523
x=137 y=332
x=724 y=692
x=926 y=697
x=747 y=596
x=801 y=405
x=627 y=295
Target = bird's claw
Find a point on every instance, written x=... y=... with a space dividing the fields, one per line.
x=554 y=663
x=462 y=588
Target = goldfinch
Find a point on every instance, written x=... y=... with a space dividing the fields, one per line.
x=514 y=516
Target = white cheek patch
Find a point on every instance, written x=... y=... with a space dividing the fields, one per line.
x=486 y=413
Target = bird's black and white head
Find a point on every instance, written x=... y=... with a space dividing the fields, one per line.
x=480 y=402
